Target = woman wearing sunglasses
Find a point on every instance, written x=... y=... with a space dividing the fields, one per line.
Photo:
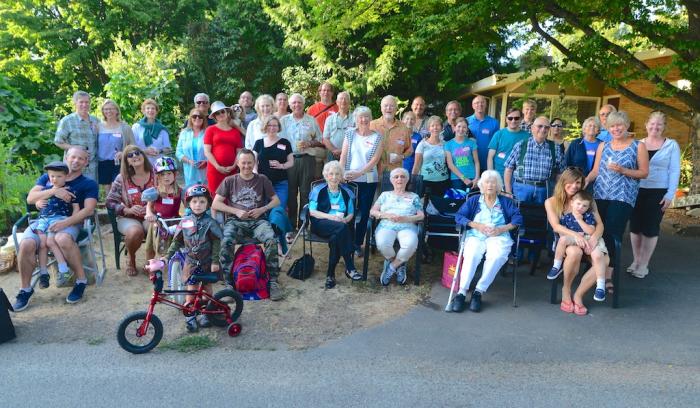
x=135 y=176
x=190 y=149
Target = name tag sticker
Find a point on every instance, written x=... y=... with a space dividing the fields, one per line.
x=168 y=201
x=502 y=155
x=187 y=224
x=400 y=142
x=132 y=190
x=119 y=135
x=485 y=131
x=339 y=214
x=335 y=207
x=590 y=152
x=281 y=147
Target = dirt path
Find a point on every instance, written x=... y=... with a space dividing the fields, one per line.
x=309 y=316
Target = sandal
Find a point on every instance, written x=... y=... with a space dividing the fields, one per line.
x=580 y=310
x=131 y=270
x=567 y=307
x=609 y=286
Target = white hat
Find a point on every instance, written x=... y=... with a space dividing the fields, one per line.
x=215 y=107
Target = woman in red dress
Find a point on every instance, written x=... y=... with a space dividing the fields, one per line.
x=221 y=144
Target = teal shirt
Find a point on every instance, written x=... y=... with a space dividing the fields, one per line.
x=462 y=157
x=503 y=142
x=337 y=204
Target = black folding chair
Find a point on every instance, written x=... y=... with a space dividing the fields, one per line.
x=310 y=237
x=415 y=185
x=533 y=234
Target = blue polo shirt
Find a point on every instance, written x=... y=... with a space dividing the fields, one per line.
x=483 y=131
x=604 y=136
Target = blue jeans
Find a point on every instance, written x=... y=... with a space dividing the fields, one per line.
x=528 y=193
x=365 y=198
x=282 y=190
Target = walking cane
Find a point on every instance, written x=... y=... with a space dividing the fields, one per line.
x=458 y=269
x=289 y=248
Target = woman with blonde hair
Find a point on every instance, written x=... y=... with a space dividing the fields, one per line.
x=655 y=193
x=557 y=206
x=150 y=134
x=190 y=149
x=112 y=137
x=264 y=106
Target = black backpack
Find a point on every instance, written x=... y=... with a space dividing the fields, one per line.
x=7 y=330
x=302 y=267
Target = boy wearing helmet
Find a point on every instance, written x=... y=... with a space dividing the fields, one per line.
x=200 y=235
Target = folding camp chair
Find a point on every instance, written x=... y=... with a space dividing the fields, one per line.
x=533 y=234
x=91 y=227
x=310 y=237
x=415 y=185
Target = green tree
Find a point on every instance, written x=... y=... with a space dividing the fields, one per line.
x=50 y=48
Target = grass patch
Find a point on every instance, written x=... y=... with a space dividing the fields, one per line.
x=95 y=341
x=189 y=344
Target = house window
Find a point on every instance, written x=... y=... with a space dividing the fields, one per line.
x=571 y=109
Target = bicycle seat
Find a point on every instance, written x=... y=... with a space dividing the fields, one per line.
x=205 y=278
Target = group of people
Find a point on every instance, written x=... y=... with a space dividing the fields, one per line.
x=257 y=161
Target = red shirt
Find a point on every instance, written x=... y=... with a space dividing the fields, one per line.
x=224 y=146
x=317 y=111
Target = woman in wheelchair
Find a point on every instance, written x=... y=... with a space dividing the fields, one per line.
x=488 y=218
x=398 y=211
x=331 y=210
x=135 y=176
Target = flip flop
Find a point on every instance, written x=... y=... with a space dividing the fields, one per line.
x=580 y=310
x=567 y=307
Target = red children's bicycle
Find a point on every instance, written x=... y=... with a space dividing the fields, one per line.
x=141 y=331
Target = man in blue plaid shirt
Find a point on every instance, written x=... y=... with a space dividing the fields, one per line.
x=526 y=175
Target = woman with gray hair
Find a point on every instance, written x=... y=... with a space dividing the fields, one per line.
x=112 y=137
x=264 y=107
x=331 y=207
x=582 y=151
x=619 y=166
x=362 y=149
x=398 y=211
x=488 y=218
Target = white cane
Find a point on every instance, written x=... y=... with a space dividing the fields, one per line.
x=458 y=268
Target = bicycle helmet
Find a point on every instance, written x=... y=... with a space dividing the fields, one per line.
x=165 y=164
x=197 y=190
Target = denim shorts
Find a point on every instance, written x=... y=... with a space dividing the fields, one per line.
x=29 y=233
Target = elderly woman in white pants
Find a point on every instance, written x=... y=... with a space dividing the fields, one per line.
x=489 y=218
x=398 y=211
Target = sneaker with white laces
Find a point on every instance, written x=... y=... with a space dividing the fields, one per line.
x=387 y=273
x=599 y=295
x=401 y=274
x=554 y=273
x=203 y=321
x=76 y=294
x=22 y=300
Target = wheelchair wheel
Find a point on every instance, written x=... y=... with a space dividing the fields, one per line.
x=234 y=329
x=228 y=296
x=175 y=280
x=129 y=339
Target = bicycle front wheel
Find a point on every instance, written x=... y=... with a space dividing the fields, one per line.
x=129 y=339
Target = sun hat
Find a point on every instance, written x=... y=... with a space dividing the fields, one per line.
x=215 y=107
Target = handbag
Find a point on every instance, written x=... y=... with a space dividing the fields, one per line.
x=302 y=267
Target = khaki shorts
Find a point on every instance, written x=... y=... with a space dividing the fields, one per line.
x=124 y=223
x=601 y=243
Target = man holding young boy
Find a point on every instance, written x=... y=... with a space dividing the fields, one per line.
x=246 y=198
x=85 y=191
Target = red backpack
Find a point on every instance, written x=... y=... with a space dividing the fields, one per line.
x=250 y=273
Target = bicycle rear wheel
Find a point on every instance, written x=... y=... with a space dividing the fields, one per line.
x=235 y=302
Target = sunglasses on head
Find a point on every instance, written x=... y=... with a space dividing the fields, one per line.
x=202 y=102
x=513 y=117
x=135 y=153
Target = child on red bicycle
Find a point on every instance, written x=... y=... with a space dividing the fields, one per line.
x=167 y=204
x=200 y=235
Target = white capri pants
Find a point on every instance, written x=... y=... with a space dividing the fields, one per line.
x=496 y=249
x=408 y=242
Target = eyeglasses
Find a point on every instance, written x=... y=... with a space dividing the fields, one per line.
x=557 y=126
x=545 y=127
x=202 y=102
x=513 y=117
x=273 y=125
x=193 y=117
x=135 y=153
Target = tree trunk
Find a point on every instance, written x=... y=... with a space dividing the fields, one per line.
x=695 y=182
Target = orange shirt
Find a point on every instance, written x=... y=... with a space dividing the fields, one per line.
x=397 y=140
x=317 y=111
